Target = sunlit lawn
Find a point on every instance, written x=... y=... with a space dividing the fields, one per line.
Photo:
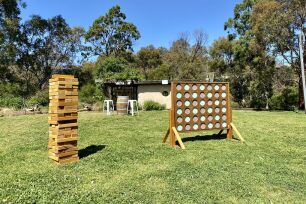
x=125 y=162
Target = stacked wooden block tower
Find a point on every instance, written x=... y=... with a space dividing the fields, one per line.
x=63 y=127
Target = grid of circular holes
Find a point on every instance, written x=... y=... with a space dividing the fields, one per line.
x=209 y=95
x=186 y=87
x=187 y=95
x=187 y=127
x=217 y=87
x=178 y=87
x=209 y=110
x=179 y=95
x=223 y=88
x=187 y=103
x=195 y=126
x=187 y=111
x=203 y=126
x=179 y=128
x=194 y=87
x=179 y=103
x=179 y=111
x=214 y=99
x=194 y=95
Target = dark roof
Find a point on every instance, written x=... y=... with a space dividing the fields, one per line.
x=148 y=82
x=131 y=82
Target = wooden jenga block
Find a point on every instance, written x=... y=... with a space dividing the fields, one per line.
x=62 y=119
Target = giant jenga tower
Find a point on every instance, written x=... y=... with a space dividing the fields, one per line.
x=63 y=130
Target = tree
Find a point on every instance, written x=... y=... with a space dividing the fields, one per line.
x=115 y=68
x=9 y=26
x=46 y=45
x=253 y=66
x=148 y=58
x=277 y=23
x=111 y=34
x=186 y=61
x=222 y=56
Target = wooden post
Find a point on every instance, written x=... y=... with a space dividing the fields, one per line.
x=229 y=133
x=229 y=115
x=171 y=134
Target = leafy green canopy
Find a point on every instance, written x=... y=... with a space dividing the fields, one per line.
x=114 y=68
x=111 y=34
x=245 y=59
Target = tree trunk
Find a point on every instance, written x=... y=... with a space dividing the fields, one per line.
x=301 y=93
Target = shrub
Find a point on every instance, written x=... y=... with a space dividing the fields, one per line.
x=235 y=105
x=287 y=99
x=87 y=93
x=152 y=105
x=9 y=89
x=40 y=98
x=11 y=102
x=90 y=94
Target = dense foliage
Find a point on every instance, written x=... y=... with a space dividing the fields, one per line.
x=259 y=57
x=153 y=105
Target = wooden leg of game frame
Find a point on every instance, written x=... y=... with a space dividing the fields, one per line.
x=237 y=132
x=172 y=137
x=220 y=132
x=178 y=138
x=229 y=133
x=166 y=136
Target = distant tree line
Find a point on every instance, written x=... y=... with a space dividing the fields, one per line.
x=260 y=35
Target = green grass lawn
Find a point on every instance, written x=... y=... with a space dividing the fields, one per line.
x=123 y=161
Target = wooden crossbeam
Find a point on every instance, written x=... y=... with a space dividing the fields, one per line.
x=220 y=132
x=237 y=132
x=166 y=136
x=178 y=138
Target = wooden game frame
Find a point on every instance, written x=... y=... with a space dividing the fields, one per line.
x=172 y=131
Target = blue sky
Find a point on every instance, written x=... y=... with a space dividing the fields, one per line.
x=159 y=21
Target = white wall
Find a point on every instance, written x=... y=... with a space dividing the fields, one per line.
x=154 y=92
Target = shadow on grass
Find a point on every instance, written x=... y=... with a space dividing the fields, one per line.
x=92 y=149
x=204 y=138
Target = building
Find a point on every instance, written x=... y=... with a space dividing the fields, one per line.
x=155 y=90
